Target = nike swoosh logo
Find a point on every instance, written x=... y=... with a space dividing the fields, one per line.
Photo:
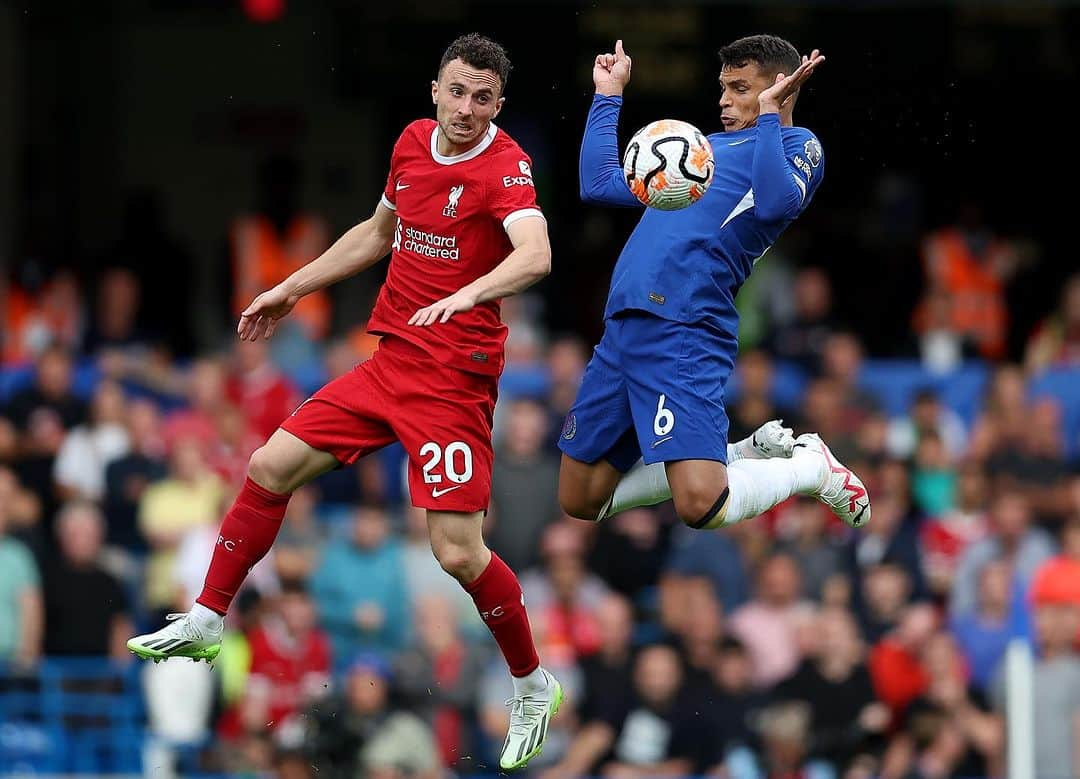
x=744 y=140
x=858 y=517
x=437 y=493
x=665 y=438
x=399 y=187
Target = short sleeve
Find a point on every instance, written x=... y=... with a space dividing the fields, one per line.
x=389 y=195
x=388 y=198
x=511 y=191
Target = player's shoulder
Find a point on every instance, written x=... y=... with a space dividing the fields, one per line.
x=417 y=132
x=507 y=158
x=802 y=137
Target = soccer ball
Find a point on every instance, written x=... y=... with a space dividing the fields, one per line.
x=668 y=164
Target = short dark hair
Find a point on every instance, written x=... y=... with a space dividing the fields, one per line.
x=771 y=53
x=479 y=52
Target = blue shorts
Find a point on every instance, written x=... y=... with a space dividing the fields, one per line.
x=653 y=388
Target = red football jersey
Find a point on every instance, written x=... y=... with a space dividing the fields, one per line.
x=453 y=213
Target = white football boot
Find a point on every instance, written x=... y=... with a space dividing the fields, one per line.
x=841 y=490
x=182 y=637
x=530 y=716
x=770 y=440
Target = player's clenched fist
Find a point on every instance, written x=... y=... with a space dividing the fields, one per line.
x=441 y=310
x=261 y=317
x=611 y=72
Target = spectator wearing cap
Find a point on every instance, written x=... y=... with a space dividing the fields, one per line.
x=1056 y=683
x=357 y=732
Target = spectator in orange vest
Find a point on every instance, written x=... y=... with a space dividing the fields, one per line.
x=971 y=265
x=278 y=239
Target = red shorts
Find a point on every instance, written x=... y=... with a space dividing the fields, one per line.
x=441 y=415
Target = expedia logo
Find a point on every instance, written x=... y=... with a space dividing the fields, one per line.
x=524 y=180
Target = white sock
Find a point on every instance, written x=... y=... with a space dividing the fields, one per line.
x=530 y=683
x=205 y=618
x=755 y=486
x=647 y=485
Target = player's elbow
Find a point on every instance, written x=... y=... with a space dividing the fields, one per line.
x=537 y=262
x=541 y=262
x=779 y=208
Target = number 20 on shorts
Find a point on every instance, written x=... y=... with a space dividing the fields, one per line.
x=457 y=460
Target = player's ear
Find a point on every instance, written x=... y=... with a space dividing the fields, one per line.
x=435 y=92
x=498 y=106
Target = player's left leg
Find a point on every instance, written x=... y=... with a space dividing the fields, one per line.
x=676 y=397
x=443 y=418
x=459 y=547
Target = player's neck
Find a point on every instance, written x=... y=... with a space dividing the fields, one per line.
x=447 y=148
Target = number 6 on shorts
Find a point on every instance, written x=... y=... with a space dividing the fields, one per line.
x=664 y=420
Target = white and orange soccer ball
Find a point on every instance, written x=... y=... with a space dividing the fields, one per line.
x=668 y=164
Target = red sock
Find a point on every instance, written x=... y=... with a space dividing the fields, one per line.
x=246 y=535
x=498 y=598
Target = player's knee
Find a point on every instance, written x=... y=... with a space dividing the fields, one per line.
x=578 y=503
x=267 y=470
x=458 y=560
x=697 y=501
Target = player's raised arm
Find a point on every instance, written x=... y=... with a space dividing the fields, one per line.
x=529 y=262
x=780 y=185
x=359 y=248
x=600 y=171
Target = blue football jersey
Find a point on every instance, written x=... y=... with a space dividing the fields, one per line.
x=688 y=265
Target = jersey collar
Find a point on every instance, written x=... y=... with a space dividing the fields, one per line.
x=475 y=151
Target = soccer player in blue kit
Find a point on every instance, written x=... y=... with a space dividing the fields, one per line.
x=654 y=388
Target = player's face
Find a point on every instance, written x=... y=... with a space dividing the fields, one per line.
x=466 y=100
x=739 y=99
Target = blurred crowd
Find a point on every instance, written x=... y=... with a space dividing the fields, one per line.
x=785 y=646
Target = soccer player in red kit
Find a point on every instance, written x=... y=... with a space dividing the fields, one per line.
x=460 y=218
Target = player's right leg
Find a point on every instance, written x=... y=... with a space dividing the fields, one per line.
x=337 y=425
x=597 y=441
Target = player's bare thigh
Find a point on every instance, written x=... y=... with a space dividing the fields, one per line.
x=696 y=486
x=285 y=463
x=585 y=487
x=457 y=541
